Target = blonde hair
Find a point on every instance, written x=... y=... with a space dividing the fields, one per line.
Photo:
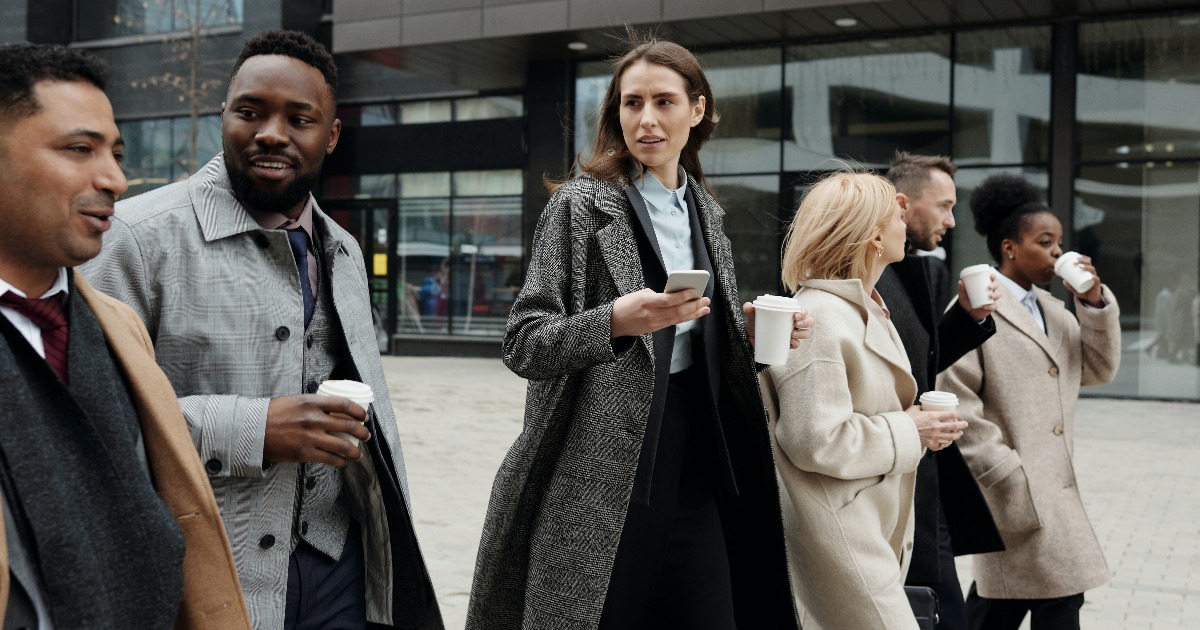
x=831 y=234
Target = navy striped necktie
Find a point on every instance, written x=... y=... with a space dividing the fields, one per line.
x=299 y=242
x=51 y=316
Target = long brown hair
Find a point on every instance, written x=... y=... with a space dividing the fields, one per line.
x=609 y=159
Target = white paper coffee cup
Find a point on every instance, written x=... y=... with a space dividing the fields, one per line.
x=358 y=392
x=1067 y=267
x=977 y=278
x=773 y=328
x=939 y=401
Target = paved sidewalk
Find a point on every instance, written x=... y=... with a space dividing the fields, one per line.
x=1138 y=466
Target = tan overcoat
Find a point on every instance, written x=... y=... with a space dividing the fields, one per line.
x=212 y=598
x=846 y=456
x=1018 y=392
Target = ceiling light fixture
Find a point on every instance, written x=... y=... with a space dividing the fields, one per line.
x=577 y=46
x=845 y=22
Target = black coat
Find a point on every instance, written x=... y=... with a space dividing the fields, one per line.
x=932 y=348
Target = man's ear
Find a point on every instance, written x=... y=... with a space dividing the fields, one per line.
x=902 y=199
x=334 y=133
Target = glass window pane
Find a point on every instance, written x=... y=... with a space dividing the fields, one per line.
x=115 y=18
x=148 y=153
x=486 y=271
x=748 y=90
x=420 y=112
x=489 y=107
x=1141 y=226
x=591 y=80
x=414 y=185
x=194 y=147
x=423 y=252
x=484 y=183
x=866 y=99
x=1002 y=96
x=1139 y=84
x=754 y=227
x=378 y=115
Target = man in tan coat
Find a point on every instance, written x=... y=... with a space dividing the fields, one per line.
x=109 y=521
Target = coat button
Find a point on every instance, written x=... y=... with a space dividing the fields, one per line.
x=266 y=542
x=1053 y=370
x=304 y=528
x=1058 y=430
x=309 y=342
x=213 y=466
x=260 y=239
x=312 y=387
x=282 y=333
x=310 y=483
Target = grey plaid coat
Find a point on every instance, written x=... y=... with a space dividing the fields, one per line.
x=560 y=498
x=219 y=296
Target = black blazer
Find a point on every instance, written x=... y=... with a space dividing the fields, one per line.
x=904 y=286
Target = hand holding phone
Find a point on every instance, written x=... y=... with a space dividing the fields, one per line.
x=683 y=279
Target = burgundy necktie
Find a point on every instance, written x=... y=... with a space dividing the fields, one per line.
x=49 y=315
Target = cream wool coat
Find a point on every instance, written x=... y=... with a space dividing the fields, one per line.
x=846 y=456
x=1018 y=392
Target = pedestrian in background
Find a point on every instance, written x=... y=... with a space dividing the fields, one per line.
x=109 y=521
x=847 y=435
x=1018 y=391
x=254 y=297
x=951 y=516
x=641 y=492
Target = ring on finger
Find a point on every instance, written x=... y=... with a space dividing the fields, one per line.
x=942 y=442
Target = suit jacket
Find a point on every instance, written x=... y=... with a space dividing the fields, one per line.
x=1019 y=391
x=221 y=299
x=847 y=459
x=212 y=597
x=943 y=476
x=560 y=498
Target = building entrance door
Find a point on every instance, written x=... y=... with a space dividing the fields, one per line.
x=372 y=223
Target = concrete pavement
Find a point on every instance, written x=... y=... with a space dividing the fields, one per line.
x=1138 y=469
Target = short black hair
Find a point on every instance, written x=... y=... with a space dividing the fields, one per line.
x=296 y=45
x=22 y=66
x=909 y=172
x=1002 y=206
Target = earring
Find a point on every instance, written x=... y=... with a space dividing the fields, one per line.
x=879 y=252
x=1010 y=257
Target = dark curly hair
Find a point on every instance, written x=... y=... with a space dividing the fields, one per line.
x=1003 y=206
x=24 y=65
x=292 y=44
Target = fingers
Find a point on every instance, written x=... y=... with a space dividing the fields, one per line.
x=802 y=323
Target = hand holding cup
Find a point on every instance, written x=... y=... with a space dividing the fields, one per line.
x=1080 y=278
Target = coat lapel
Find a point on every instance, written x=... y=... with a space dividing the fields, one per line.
x=616 y=241
x=1055 y=327
x=1010 y=310
x=643 y=221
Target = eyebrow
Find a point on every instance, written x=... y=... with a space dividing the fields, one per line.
x=258 y=100
x=658 y=95
x=92 y=135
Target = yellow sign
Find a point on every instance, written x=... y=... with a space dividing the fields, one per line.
x=381 y=264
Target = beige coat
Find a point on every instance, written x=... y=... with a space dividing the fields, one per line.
x=1018 y=392
x=846 y=455
x=212 y=597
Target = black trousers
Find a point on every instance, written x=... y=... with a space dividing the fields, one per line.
x=672 y=569
x=952 y=614
x=324 y=594
x=1059 y=613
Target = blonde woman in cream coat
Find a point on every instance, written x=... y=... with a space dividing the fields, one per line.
x=847 y=436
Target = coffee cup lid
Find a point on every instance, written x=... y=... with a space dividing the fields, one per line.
x=1068 y=258
x=939 y=398
x=974 y=269
x=358 y=392
x=777 y=303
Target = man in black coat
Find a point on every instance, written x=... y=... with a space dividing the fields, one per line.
x=952 y=517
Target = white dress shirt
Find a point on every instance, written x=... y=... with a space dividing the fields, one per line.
x=31 y=331
x=1028 y=299
x=673 y=231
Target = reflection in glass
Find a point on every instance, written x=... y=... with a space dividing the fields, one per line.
x=159 y=151
x=194 y=145
x=1138 y=88
x=419 y=112
x=1002 y=96
x=591 y=80
x=755 y=228
x=865 y=100
x=489 y=107
x=747 y=88
x=487 y=263
x=377 y=115
x=100 y=19
x=1141 y=226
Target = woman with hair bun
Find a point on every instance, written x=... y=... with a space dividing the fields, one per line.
x=847 y=435
x=1018 y=392
x=641 y=492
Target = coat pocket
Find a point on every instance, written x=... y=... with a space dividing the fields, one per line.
x=1009 y=496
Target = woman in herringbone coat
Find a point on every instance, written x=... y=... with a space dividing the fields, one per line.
x=641 y=492
x=848 y=437
x=1018 y=392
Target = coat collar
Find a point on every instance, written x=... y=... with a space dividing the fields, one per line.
x=219 y=212
x=877 y=339
x=1011 y=311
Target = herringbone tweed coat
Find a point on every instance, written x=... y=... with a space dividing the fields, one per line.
x=1018 y=392
x=560 y=498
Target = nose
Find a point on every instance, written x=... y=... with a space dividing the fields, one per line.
x=1057 y=251
x=111 y=179
x=949 y=222
x=272 y=132
x=649 y=119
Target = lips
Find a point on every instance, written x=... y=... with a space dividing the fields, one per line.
x=274 y=167
x=98 y=219
x=651 y=141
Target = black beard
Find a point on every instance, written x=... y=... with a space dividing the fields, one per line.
x=271 y=201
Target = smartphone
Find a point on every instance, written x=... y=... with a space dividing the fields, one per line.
x=683 y=279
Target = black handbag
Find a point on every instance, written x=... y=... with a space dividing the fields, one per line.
x=924 y=605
